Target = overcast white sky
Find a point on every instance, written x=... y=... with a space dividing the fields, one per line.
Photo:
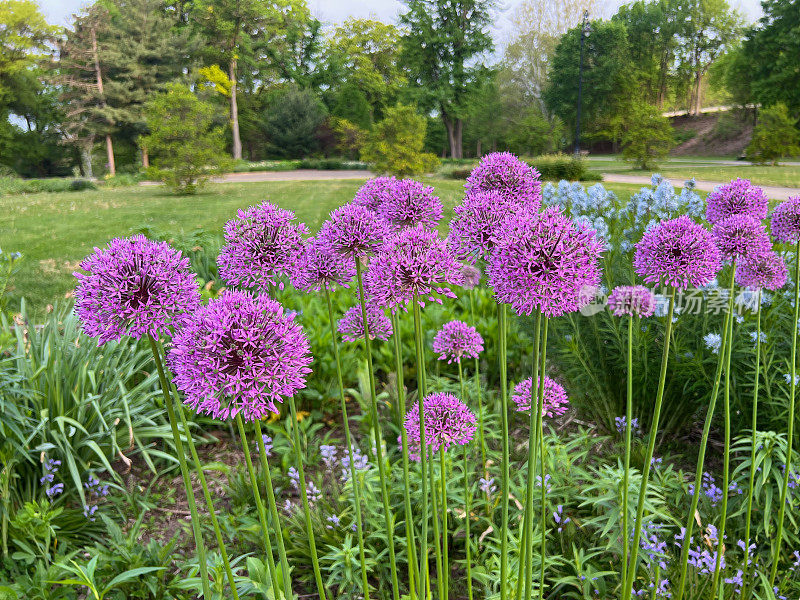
x=333 y=11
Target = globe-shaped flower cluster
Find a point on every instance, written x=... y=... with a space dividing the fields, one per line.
x=506 y=174
x=456 y=340
x=319 y=267
x=448 y=421
x=786 y=221
x=351 y=325
x=767 y=271
x=741 y=236
x=554 y=402
x=632 y=301
x=739 y=197
x=409 y=203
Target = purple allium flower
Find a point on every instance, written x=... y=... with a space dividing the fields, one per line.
x=351 y=325
x=417 y=261
x=766 y=271
x=238 y=354
x=354 y=231
x=374 y=193
x=545 y=261
x=554 y=402
x=786 y=220
x=411 y=203
x=739 y=197
x=632 y=300
x=476 y=222
x=515 y=180
x=678 y=252
x=741 y=237
x=448 y=421
x=136 y=287
x=472 y=276
x=320 y=267
x=456 y=339
x=262 y=244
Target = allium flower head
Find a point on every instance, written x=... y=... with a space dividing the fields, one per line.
x=766 y=271
x=472 y=276
x=554 y=402
x=411 y=203
x=417 y=261
x=786 y=220
x=455 y=340
x=354 y=231
x=545 y=261
x=136 y=287
x=448 y=421
x=741 y=236
x=678 y=252
x=262 y=244
x=475 y=223
x=739 y=197
x=632 y=300
x=239 y=354
x=351 y=325
x=374 y=193
x=515 y=180
x=320 y=267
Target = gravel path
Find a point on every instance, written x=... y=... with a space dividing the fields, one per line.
x=774 y=192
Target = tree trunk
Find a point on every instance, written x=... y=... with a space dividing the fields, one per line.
x=145 y=157
x=698 y=101
x=112 y=169
x=85 y=150
x=478 y=149
x=237 y=140
x=459 y=130
x=454 y=129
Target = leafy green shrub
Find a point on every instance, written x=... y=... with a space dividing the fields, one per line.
x=14 y=185
x=728 y=126
x=395 y=144
x=292 y=119
x=775 y=136
x=331 y=164
x=681 y=136
x=121 y=180
x=555 y=167
x=647 y=135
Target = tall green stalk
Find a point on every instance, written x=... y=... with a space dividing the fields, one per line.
x=790 y=430
x=413 y=568
x=467 y=539
x=445 y=575
x=480 y=399
x=437 y=540
x=345 y=420
x=262 y=511
x=312 y=544
x=628 y=430
x=637 y=526
x=422 y=391
x=197 y=528
x=753 y=426
x=540 y=427
x=273 y=511
x=698 y=476
x=726 y=465
x=501 y=319
x=376 y=426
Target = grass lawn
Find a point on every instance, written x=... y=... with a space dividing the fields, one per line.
x=55 y=231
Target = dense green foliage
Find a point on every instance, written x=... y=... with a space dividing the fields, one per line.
x=775 y=136
x=395 y=144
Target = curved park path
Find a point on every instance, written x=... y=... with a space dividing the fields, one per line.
x=772 y=191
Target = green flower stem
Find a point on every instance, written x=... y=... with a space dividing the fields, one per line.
x=790 y=430
x=413 y=572
x=753 y=426
x=262 y=511
x=626 y=473
x=273 y=511
x=662 y=378
x=698 y=476
x=445 y=559
x=312 y=544
x=437 y=540
x=501 y=319
x=540 y=427
x=467 y=539
x=197 y=528
x=726 y=466
x=525 y=573
x=353 y=480
x=481 y=437
x=422 y=391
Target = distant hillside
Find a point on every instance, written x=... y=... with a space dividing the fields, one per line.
x=723 y=133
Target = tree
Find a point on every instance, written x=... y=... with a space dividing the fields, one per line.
x=293 y=118
x=774 y=136
x=186 y=146
x=647 y=135
x=442 y=47
x=395 y=144
x=352 y=104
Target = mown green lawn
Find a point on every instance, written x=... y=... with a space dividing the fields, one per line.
x=55 y=231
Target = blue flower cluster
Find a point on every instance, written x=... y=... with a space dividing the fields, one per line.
x=95 y=489
x=594 y=207
x=50 y=469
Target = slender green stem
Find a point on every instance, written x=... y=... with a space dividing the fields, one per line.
x=422 y=391
x=637 y=526
x=754 y=427
x=698 y=476
x=726 y=465
x=348 y=441
x=790 y=430
x=628 y=430
x=437 y=540
x=273 y=511
x=376 y=426
x=262 y=511
x=480 y=400
x=467 y=540
x=543 y=492
x=445 y=559
x=502 y=314
x=197 y=528
x=312 y=544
